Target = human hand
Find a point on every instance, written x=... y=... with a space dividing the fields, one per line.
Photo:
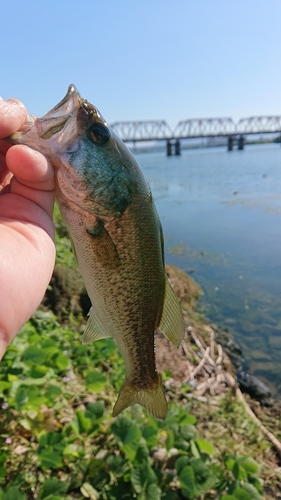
x=27 y=249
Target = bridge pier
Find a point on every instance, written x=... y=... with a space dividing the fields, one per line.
x=230 y=143
x=241 y=143
x=169 y=147
x=176 y=146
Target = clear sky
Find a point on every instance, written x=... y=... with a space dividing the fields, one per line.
x=144 y=59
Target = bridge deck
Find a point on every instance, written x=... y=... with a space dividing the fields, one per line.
x=155 y=130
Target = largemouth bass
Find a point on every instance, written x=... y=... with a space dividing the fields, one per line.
x=117 y=239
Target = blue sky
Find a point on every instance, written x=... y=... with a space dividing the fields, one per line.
x=144 y=59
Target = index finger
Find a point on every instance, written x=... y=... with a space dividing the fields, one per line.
x=12 y=116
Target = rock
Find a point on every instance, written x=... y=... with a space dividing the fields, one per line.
x=66 y=294
x=160 y=454
x=254 y=387
x=186 y=289
x=232 y=349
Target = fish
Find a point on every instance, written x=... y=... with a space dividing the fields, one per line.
x=116 y=235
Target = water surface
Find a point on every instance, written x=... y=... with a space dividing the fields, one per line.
x=221 y=215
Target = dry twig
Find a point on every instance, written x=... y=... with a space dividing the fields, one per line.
x=276 y=443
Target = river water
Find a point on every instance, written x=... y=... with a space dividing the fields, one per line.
x=221 y=216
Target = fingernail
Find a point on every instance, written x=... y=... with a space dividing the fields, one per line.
x=15 y=102
x=12 y=101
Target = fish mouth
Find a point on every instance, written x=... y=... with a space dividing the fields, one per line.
x=59 y=123
x=55 y=120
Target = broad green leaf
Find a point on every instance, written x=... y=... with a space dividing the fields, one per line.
x=250 y=466
x=95 y=381
x=70 y=451
x=50 y=459
x=194 y=449
x=20 y=398
x=201 y=471
x=181 y=462
x=26 y=423
x=228 y=497
x=169 y=495
x=142 y=477
x=170 y=440
x=52 y=392
x=95 y=466
x=34 y=355
x=131 y=442
x=50 y=347
x=187 y=432
x=153 y=422
x=187 y=481
x=205 y=477
x=150 y=434
x=153 y=492
x=62 y=361
x=183 y=445
x=205 y=447
x=120 y=491
x=3 y=386
x=53 y=497
x=142 y=452
x=34 y=398
x=210 y=483
x=239 y=472
x=38 y=371
x=230 y=462
x=242 y=494
x=252 y=491
x=98 y=474
x=50 y=450
x=3 y=457
x=50 y=486
x=128 y=435
x=95 y=410
x=52 y=439
x=28 y=381
x=117 y=465
x=188 y=419
x=13 y=493
x=85 y=423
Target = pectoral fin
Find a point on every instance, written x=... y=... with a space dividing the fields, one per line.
x=94 y=329
x=172 y=324
x=105 y=249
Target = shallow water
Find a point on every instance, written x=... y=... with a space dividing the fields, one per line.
x=221 y=215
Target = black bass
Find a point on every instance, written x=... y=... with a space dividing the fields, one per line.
x=117 y=238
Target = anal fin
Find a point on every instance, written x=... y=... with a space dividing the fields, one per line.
x=94 y=329
x=151 y=398
x=171 y=323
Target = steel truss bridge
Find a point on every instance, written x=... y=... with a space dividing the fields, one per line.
x=155 y=130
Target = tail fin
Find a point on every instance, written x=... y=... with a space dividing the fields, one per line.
x=151 y=398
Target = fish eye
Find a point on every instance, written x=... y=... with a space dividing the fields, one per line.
x=99 y=133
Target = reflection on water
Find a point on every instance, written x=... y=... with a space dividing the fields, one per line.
x=221 y=215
